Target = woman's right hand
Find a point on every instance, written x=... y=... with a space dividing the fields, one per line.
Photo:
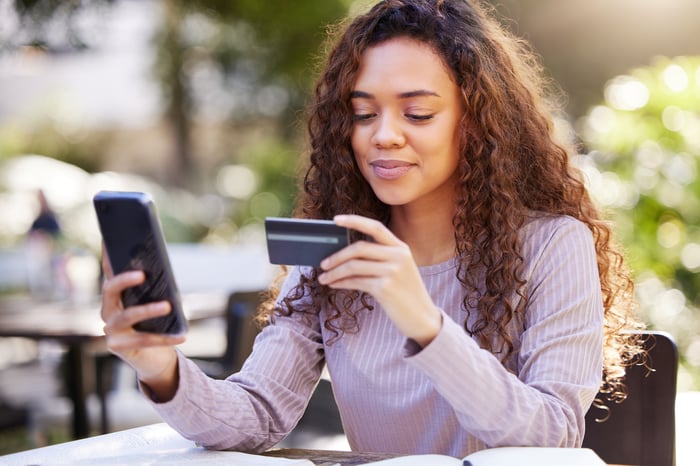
x=152 y=355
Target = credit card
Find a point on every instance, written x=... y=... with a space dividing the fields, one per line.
x=293 y=241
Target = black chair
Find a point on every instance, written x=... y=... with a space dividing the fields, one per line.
x=322 y=415
x=642 y=429
x=241 y=331
x=12 y=416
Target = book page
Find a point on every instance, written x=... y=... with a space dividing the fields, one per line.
x=534 y=456
x=419 y=460
x=521 y=456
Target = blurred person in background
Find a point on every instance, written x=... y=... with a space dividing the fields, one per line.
x=482 y=301
x=46 y=222
x=45 y=258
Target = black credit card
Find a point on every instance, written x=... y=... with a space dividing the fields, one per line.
x=293 y=241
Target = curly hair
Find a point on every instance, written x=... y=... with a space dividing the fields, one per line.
x=511 y=164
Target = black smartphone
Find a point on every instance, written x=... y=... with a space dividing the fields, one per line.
x=293 y=241
x=134 y=240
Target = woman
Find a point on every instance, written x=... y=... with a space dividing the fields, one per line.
x=481 y=301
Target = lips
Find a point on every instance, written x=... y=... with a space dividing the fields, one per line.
x=390 y=169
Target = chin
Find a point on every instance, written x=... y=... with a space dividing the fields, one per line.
x=392 y=199
x=394 y=193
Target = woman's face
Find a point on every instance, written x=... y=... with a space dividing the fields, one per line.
x=405 y=134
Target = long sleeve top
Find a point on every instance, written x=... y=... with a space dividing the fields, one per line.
x=451 y=396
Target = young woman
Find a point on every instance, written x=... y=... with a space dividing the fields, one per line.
x=481 y=303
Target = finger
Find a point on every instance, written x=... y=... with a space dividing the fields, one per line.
x=135 y=314
x=118 y=283
x=129 y=341
x=112 y=289
x=366 y=284
x=358 y=269
x=358 y=250
x=353 y=283
x=373 y=228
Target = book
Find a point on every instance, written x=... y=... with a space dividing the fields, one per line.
x=500 y=456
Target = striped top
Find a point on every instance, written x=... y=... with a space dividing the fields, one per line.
x=450 y=397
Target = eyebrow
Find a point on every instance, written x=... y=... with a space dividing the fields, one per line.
x=403 y=95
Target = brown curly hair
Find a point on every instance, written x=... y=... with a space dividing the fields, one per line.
x=511 y=164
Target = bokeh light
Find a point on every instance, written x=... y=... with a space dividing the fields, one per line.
x=690 y=257
x=675 y=78
x=237 y=181
x=626 y=93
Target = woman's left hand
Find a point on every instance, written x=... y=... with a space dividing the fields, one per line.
x=385 y=269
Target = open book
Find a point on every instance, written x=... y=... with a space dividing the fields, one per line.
x=520 y=456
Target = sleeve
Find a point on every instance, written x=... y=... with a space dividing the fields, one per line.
x=257 y=407
x=559 y=363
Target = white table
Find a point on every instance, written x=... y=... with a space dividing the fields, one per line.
x=160 y=444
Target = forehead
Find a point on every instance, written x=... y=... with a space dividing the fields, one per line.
x=403 y=62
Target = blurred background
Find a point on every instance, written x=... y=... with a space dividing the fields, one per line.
x=201 y=103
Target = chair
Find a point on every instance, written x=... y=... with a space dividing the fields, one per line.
x=640 y=430
x=241 y=330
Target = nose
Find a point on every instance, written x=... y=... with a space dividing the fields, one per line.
x=388 y=133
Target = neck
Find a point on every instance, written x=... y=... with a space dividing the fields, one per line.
x=429 y=233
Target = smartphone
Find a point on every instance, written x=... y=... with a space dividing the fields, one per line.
x=293 y=241
x=134 y=240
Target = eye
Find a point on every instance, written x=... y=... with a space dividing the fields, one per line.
x=414 y=117
x=358 y=117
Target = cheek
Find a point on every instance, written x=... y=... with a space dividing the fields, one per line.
x=357 y=151
x=357 y=140
x=358 y=143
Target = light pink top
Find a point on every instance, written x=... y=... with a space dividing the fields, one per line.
x=451 y=397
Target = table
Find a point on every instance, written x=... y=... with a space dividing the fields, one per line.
x=160 y=444
x=78 y=326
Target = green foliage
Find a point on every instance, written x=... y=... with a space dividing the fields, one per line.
x=77 y=148
x=275 y=164
x=271 y=42
x=643 y=166
x=246 y=61
x=287 y=33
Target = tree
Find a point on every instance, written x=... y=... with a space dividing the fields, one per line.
x=262 y=49
x=259 y=56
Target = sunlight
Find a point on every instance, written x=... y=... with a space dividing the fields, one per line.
x=675 y=78
x=669 y=234
x=626 y=93
x=237 y=181
x=690 y=257
x=602 y=119
x=674 y=119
